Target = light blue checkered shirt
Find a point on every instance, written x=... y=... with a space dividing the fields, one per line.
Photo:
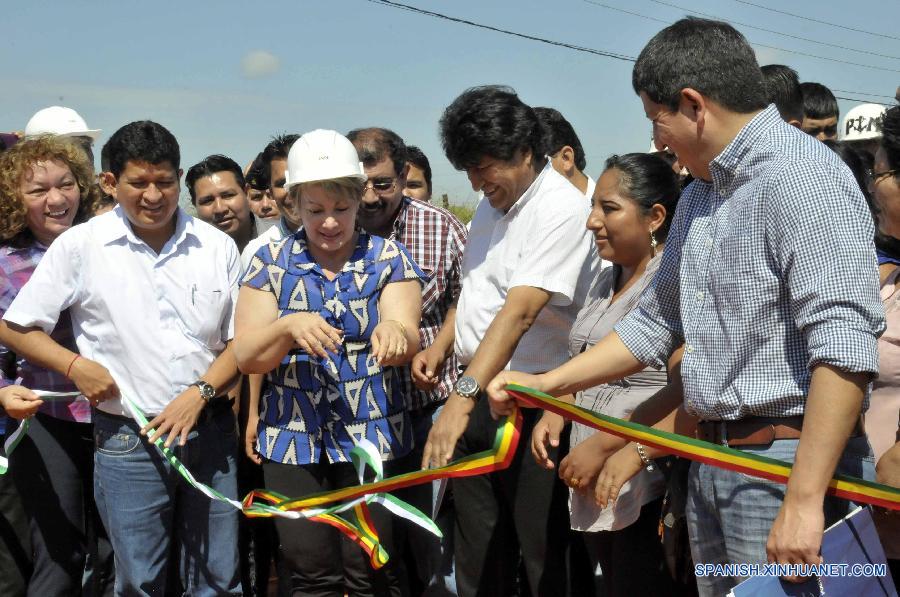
x=768 y=271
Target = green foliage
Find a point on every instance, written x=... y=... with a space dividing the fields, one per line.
x=463 y=212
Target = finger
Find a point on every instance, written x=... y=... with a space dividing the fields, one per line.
x=185 y=431
x=324 y=340
x=151 y=425
x=426 y=455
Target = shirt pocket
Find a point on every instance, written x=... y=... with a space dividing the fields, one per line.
x=203 y=314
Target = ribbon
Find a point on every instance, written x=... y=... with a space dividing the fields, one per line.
x=16 y=436
x=844 y=486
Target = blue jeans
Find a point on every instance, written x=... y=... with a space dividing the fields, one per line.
x=150 y=511
x=729 y=514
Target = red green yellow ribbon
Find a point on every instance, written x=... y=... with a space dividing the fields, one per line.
x=851 y=488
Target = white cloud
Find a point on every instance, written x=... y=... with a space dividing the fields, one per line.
x=258 y=64
x=768 y=55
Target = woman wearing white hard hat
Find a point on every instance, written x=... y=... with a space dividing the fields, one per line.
x=326 y=313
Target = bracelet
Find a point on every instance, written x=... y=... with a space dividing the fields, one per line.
x=400 y=323
x=643 y=456
x=69 y=370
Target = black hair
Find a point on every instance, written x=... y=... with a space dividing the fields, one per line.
x=856 y=161
x=558 y=132
x=277 y=149
x=783 y=90
x=890 y=137
x=374 y=144
x=489 y=121
x=417 y=158
x=818 y=101
x=207 y=167
x=257 y=174
x=140 y=141
x=647 y=179
x=710 y=57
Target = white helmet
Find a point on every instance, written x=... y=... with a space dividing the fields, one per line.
x=57 y=120
x=862 y=123
x=322 y=155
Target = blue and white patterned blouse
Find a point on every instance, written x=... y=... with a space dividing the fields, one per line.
x=311 y=402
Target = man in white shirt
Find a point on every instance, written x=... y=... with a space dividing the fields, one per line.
x=218 y=192
x=528 y=266
x=151 y=294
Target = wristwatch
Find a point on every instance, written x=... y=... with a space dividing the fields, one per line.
x=467 y=387
x=207 y=392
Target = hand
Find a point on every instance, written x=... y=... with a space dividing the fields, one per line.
x=425 y=368
x=796 y=534
x=619 y=468
x=389 y=343
x=546 y=432
x=582 y=465
x=18 y=402
x=887 y=471
x=501 y=402
x=446 y=431
x=250 y=437
x=312 y=334
x=178 y=418
x=93 y=380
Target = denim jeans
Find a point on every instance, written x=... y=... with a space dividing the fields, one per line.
x=729 y=514
x=150 y=512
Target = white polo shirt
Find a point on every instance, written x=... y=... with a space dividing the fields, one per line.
x=156 y=322
x=541 y=242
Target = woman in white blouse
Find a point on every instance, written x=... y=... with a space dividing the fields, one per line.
x=633 y=204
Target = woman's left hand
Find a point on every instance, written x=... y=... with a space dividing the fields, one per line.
x=619 y=468
x=389 y=343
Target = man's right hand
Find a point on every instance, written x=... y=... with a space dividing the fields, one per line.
x=425 y=367
x=446 y=431
x=250 y=436
x=501 y=402
x=93 y=380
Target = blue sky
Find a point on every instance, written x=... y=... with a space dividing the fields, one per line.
x=343 y=64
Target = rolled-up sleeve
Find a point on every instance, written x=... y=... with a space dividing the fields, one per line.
x=822 y=240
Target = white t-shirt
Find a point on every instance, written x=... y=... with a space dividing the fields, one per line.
x=541 y=242
x=274 y=232
x=156 y=322
x=592 y=184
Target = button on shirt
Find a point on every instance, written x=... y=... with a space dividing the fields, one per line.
x=156 y=322
x=311 y=403
x=769 y=270
x=540 y=242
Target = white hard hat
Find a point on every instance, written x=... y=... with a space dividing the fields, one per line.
x=322 y=155
x=862 y=123
x=57 y=120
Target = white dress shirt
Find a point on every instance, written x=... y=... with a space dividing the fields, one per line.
x=156 y=322
x=541 y=242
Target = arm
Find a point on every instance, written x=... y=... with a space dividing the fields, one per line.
x=427 y=364
x=262 y=338
x=522 y=306
x=91 y=378
x=180 y=415
x=832 y=409
x=251 y=408
x=399 y=303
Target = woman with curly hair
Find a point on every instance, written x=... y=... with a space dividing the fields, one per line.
x=46 y=187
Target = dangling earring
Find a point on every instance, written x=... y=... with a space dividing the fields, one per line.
x=653 y=244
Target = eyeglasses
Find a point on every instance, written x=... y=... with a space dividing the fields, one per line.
x=380 y=186
x=876 y=177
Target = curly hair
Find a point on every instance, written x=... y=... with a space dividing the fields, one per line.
x=16 y=162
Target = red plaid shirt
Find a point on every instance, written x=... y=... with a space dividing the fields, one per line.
x=435 y=238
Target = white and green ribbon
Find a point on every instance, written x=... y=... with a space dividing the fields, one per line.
x=13 y=439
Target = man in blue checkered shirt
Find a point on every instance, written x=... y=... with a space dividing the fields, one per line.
x=769 y=281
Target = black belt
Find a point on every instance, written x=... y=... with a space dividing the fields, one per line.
x=215 y=406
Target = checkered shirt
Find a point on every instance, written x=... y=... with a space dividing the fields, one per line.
x=435 y=238
x=16 y=267
x=769 y=270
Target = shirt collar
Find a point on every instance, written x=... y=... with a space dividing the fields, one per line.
x=400 y=221
x=114 y=226
x=725 y=165
x=305 y=261
x=530 y=192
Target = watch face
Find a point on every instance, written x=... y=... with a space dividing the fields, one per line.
x=467 y=386
x=206 y=390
